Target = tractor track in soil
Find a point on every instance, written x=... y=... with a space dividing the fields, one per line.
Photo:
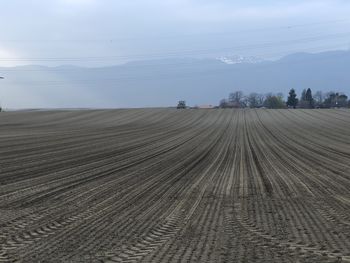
x=165 y=185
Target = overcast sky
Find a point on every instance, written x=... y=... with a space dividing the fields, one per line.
x=105 y=32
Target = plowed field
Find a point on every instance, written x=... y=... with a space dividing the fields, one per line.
x=164 y=185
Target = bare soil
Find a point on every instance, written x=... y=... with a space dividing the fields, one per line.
x=164 y=185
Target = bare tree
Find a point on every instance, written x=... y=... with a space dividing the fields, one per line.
x=318 y=97
x=237 y=100
x=255 y=100
x=223 y=103
x=303 y=95
x=244 y=102
x=280 y=95
x=274 y=101
x=235 y=97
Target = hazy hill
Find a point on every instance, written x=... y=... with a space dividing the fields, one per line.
x=164 y=82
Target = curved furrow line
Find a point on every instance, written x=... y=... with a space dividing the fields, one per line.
x=130 y=163
x=257 y=249
x=154 y=257
x=102 y=160
x=70 y=220
x=90 y=155
x=140 y=137
x=164 y=185
x=325 y=120
x=326 y=138
x=279 y=164
x=321 y=225
x=333 y=118
x=290 y=245
x=207 y=221
x=180 y=143
x=287 y=166
x=297 y=151
x=209 y=248
x=47 y=143
x=290 y=164
x=202 y=246
x=179 y=208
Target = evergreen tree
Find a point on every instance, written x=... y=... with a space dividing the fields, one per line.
x=292 y=99
x=309 y=99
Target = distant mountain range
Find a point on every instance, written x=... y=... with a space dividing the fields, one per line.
x=159 y=83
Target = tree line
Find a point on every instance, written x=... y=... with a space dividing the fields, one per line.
x=307 y=100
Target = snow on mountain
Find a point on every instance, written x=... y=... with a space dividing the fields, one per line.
x=240 y=60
